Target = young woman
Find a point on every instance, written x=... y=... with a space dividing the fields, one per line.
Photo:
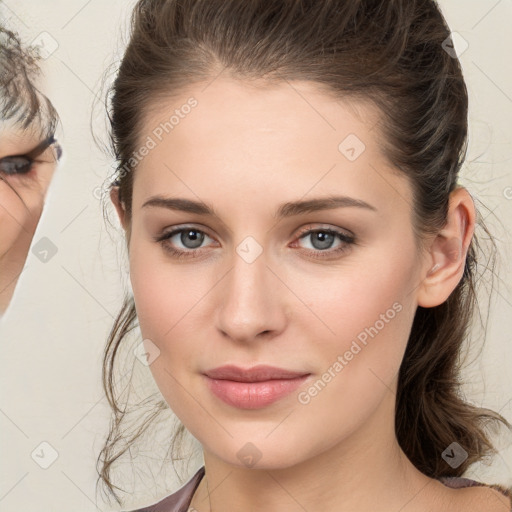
x=28 y=157
x=302 y=257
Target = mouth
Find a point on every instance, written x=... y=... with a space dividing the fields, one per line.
x=258 y=373
x=253 y=388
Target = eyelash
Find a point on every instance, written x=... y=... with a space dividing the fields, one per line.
x=27 y=161
x=179 y=254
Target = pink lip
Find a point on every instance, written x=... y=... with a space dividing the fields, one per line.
x=253 y=388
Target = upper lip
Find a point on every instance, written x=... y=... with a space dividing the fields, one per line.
x=258 y=373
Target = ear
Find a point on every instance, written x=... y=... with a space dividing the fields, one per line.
x=119 y=205
x=445 y=262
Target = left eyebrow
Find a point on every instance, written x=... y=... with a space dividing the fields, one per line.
x=322 y=203
x=288 y=209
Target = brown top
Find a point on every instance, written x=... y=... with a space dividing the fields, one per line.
x=180 y=500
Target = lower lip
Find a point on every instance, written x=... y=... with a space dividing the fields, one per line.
x=253 y=395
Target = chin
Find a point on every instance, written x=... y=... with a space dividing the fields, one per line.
x=262 y=454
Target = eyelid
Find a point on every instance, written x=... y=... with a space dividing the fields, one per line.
x=41 y=148
x=182 y=227
x=346 y=238
x=304 y=230
x=325 y=227
x=32 y=156
x=28 y=163
x=38 y=150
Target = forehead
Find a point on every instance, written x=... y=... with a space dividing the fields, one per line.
x=278 y=140
x=294 y=108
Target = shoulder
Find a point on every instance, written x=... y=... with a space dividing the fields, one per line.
x=483 y=492
x=180 y=500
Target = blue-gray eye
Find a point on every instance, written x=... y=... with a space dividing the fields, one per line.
x=15 y=165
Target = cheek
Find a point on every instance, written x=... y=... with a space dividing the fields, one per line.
x=46 y=171
x=370 y=315
x=164 y=302
x=155 y=301
x=357 y=292
x=165 y=293
x=363 y=310
x=12 y=218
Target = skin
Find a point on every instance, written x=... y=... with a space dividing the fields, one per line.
x=246 y=150
x=21 y=208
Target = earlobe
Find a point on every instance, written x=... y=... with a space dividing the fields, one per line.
x=447 y=253
x=119 y=205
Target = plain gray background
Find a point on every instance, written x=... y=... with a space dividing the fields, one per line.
x=53 y=334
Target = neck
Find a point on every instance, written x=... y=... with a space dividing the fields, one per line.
x=366 y=471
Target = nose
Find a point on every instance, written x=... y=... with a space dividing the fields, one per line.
x=252 y=301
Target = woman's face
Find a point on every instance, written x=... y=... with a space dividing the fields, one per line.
x=23 y=187
x=262 y=282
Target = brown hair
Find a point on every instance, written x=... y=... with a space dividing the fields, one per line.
x=390 y=53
